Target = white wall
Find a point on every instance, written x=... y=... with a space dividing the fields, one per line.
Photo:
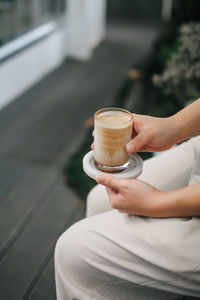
x=81 y=29
x=86 y=23
x=26 y=68
x=166 y=9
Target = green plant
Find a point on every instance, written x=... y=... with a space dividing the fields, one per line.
x=181 y=77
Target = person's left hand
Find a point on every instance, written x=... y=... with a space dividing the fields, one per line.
x=131 y=196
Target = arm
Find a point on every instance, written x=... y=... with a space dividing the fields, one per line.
x=184 y=202
x=187 y=121
x=140 y=198
x=158 y=134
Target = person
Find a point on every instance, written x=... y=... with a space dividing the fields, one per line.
x=140 y=239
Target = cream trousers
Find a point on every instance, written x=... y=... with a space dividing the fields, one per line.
x=110 y=255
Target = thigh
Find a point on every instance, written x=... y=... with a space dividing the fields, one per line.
x=172 y=168
x=111 y=248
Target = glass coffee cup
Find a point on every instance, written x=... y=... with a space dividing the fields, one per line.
x=113 y=130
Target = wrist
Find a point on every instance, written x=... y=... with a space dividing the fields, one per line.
x=179 y=130
x=186 y=121
x=156 y=206
x=165 y=205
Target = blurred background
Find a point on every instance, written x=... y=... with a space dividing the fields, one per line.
x=60 y=61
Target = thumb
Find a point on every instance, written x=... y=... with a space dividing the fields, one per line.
x=138 y=142
x=109 y=181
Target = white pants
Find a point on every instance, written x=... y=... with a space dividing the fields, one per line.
x=113 y=256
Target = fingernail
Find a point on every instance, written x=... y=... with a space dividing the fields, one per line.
x=130 y=147
x=99 y=179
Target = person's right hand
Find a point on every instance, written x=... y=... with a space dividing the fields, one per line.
x=151 y=134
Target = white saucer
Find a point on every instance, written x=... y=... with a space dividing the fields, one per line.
x=133 y=171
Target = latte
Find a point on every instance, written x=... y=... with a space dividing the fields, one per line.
x=113 y=130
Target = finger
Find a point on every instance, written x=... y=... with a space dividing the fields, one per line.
x=92 y=146
x=134 y=133
x=111 y=192
x=155 y=149
x=122 y=211
x=138 y=142
x=110 y=181
x=158 y=149
x=114 y=198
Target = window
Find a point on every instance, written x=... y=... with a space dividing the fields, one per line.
x=20 y=16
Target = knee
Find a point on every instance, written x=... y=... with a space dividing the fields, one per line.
x=97 y=201
x=91 y=207
x=69 y=251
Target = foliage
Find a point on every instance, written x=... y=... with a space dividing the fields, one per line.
x=181 y=77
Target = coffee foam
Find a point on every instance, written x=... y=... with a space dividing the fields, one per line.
x=113 y=119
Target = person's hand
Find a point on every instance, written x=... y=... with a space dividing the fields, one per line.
x=131 y=196
x=152 y=134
